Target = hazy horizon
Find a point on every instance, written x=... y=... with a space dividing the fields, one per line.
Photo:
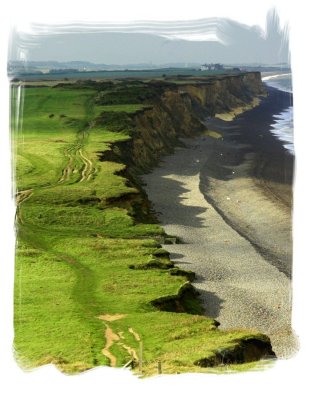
x=207 y=40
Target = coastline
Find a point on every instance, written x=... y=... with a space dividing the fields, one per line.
x=89 y=220
x=253 y=161
x=230 y=206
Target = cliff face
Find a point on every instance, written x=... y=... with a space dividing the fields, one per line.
x=226 y=93
x=181 y=110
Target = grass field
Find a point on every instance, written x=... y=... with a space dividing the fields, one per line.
x=88 y=275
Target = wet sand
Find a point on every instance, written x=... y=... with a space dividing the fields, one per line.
x=229 y=201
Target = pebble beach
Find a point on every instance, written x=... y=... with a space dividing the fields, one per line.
x=227 y=197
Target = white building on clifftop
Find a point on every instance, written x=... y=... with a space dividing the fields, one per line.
x=211 y=67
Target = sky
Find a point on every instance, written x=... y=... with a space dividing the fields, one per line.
x=205 y=40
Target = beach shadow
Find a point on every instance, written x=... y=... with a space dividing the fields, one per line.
x=176 y=256
x=168 y=198
x=211 y=303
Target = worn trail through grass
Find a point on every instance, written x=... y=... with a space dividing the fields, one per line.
x=88 y=169
x=110 y=337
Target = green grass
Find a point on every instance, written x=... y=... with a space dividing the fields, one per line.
x=49 y=124
x=49 y=323
x=80 y=252
x=128 y=108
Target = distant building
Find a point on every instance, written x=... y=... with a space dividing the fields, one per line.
x=211 y=67
x=204 y=67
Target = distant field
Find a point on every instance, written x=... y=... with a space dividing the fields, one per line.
x=121 y=74
x=87 y=273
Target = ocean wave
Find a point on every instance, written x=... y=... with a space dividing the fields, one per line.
x=281 y=82
x=282 y=128
x=267 y=78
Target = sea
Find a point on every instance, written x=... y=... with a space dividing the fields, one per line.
x=283 y=125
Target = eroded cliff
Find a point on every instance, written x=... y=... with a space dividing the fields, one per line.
x=179 y=111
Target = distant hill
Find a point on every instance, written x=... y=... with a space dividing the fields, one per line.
x=44 y=66
x=16 y=68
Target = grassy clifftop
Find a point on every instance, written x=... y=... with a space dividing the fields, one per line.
x=91 y=281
